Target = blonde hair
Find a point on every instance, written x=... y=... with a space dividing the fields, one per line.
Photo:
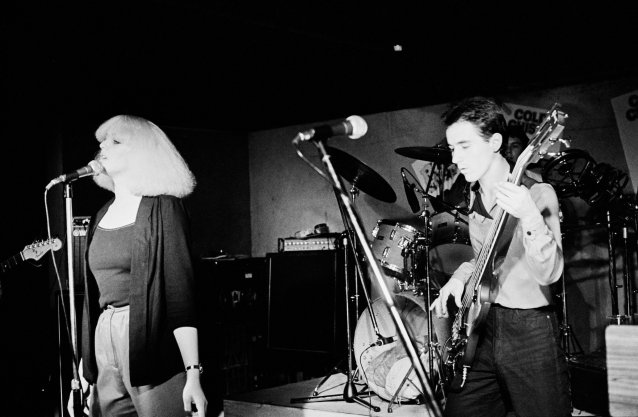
x=156 y=167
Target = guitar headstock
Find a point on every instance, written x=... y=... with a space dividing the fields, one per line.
x=38 y=249
x=546 y=139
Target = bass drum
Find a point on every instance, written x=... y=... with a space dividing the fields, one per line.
x=384 y=367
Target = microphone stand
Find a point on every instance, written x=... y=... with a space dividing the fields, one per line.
x=76 y=386
x=401 y=329
x=350 y=393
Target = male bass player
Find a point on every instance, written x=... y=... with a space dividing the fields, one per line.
x=518 y=363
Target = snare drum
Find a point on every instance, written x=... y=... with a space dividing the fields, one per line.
x=451 y=244
x=389 y=244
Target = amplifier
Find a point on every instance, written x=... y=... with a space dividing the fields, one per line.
x=293 y=244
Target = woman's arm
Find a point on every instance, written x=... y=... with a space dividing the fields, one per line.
x=187 y=341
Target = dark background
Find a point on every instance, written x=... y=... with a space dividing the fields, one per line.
x=210 y=72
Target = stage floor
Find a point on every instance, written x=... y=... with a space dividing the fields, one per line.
x=275 y=402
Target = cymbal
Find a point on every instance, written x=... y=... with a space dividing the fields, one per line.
x=435 y=154
x=361 y=176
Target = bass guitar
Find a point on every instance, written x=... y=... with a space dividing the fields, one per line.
x=479 y=291
x=34 y=251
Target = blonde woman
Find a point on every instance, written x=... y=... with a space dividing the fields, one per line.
x=139 y=334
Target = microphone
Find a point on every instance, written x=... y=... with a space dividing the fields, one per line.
x=92 y=168
x=413 y=201
x=354 y=127
x=383 y=340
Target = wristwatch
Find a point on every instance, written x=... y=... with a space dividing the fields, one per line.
x=198 y=366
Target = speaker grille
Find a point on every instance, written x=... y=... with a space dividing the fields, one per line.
x=306 y=301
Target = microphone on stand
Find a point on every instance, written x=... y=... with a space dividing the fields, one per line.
x=354 y=127
x=384 y=340
x=410 y=193
x=92 y=168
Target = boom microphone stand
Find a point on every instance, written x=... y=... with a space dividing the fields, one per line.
x=401 y=329
x=350 y=393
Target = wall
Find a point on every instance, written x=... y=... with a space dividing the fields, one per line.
x=220 y=205
x=288 y=196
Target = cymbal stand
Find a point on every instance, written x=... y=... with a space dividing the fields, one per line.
x=381 y=340
x=627 y=282
x=354 y=193
x=350 y=393
x=568 y=341
x=615 y=317
x=426 y=242
x=422 y=246
x=632 y=292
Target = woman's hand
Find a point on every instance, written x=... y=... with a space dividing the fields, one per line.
x=193 y=394
x=87 y=394
x=88 y=400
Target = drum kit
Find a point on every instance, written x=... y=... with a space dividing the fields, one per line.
x=418 y=258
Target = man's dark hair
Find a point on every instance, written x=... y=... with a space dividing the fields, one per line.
x=483 y=112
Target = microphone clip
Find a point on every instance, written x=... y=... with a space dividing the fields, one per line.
x=383 y=340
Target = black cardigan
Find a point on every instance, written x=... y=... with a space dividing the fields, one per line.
x=162 y=292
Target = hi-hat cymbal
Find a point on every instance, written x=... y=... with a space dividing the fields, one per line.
x=435 y=154
x=361 y=176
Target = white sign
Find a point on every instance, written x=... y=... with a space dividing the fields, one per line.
x=526 y=116
x=626 y=111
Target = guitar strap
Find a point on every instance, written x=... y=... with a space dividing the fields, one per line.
x=505 y=239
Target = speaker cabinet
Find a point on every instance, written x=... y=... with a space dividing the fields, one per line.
x=588 y=377
x=232 y=297
x=306 y=301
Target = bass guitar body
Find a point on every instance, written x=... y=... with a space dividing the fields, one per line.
x=460 y=351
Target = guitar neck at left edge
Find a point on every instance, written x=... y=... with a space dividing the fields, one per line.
x=34 y=251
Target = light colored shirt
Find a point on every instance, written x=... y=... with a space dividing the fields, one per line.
x=534 y=259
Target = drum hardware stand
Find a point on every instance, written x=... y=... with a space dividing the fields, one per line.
x=627 y=282
x=356 y=224
x=616 y=317
x=423 y=241
x=354 y=193
x=381 y=340
x=568 y=341
x=350 y=393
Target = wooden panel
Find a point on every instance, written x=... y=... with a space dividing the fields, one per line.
x=622 y=369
